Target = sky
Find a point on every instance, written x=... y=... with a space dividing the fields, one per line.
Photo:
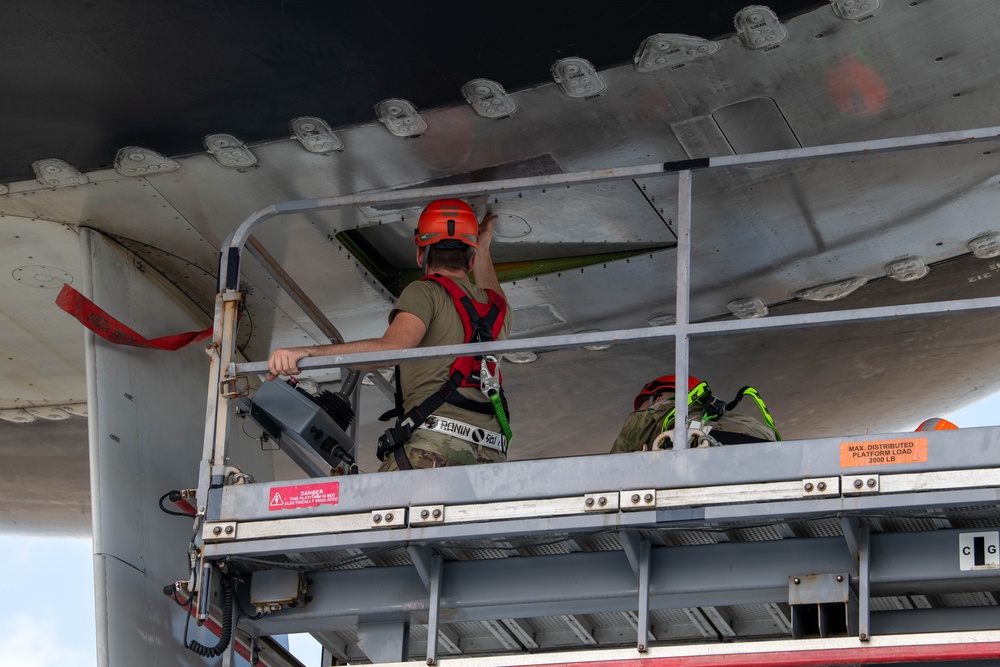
x=48 y=611
x=48 y=615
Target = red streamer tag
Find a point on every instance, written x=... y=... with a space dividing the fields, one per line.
x=110 y=329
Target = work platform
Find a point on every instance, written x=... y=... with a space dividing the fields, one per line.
x=721 y=544
x=855 y=550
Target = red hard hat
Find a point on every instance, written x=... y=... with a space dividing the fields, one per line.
x=447 y=219
x=660 y=385
x=936 y=424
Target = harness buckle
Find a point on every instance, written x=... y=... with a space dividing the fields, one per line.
x=489 y=375
x=391 y=440
x=714 y=408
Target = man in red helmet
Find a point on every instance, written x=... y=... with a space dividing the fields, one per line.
x=653 y=412
x=445 y=417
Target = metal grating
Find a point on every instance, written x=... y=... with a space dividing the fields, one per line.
x=829 y=527
x=758 y=533
x=393 y=557
x=549 y=623
x=564 y=631
x=891 y=603
x=975 y=517
x=557 y=545
x=681 y=538
x=318 y=561
x=908 y=524
x=750 y=612
x=606 y=541
x=983 y=599
x=759 y=620
x=476 y=550
x=680 y=625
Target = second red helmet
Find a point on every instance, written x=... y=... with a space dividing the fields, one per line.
x=661 y=385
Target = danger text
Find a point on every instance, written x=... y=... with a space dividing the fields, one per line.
x=303 y=495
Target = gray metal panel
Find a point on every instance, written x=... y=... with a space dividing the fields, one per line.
x=974 y=599
x=754 y=126
x=550 y=219
x=750 y=463
x=43 y=362
x=146 y=410
x=936 y=620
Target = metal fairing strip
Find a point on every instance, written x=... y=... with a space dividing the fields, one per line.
x=932 y=647
x=598 y=503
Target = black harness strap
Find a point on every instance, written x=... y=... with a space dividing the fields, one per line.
x=736 y=401
x=402 y=462
x=397 y=411
x=482 y=331
x=482 y=326
x=730 y=438
x=392 y=440
x=460 y=401
x=456 y=399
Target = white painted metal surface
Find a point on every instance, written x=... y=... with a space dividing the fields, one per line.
x=42 y=346
x=145 y=420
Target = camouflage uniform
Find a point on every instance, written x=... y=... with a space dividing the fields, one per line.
x=642 y=426
x=421 y=378
x=426 y=449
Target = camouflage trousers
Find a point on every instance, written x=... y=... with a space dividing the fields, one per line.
x=427 y=449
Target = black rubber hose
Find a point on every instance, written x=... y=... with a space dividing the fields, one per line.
x=227 y=627
x=174 y=496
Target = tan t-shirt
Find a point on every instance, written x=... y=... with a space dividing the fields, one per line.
x=421 y=378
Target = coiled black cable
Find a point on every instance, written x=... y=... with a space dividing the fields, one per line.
x=227 y=627
x=174 y=496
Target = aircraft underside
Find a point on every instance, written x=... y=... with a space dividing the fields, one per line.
x=785 y=238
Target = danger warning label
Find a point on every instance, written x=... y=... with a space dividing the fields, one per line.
x=303 y=495
x=882 y=452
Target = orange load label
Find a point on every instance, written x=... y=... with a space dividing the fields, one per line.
x=882 y=452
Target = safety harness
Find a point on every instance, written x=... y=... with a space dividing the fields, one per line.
x=713 y=407
x=481 y=322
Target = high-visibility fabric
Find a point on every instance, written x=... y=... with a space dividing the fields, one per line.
x=697 y=394
x=759 y=402
x=111 y=330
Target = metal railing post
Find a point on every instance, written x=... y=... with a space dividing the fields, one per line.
x=683 y=307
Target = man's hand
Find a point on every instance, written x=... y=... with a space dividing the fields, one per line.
x=483 y=270
x=406 y=330
x=284 y=361
x=486 y=232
